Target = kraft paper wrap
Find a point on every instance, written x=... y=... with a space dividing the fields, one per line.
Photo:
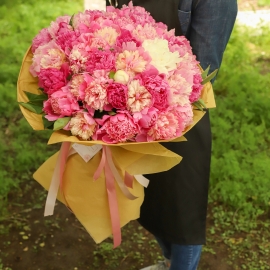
x=87 y=198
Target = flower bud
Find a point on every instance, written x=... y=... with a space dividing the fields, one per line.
x=121 y=77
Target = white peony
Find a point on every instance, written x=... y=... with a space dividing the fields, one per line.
x=162 y=58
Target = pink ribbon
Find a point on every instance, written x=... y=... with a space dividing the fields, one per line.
x=111 y=173
x=56 y=179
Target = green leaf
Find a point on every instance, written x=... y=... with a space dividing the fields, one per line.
x=32 y=107
x=71 y=21
x=33 y=97
x=112 y=113
x=47 y=124
x=200 y=105
x=204 y=74
x=111 y=75
x=210 y=77
x=60 y=123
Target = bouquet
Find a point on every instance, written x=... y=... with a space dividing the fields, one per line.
x=113 y=78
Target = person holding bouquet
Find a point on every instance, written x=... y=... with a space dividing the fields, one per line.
x=175 y=205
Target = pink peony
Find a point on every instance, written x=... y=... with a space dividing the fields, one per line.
x=78 y=85
x=55 y=25
x=78 y=58
x=158 y=87
x=126 y=36
x=131 y=61
x=96 y=95
x=43 y=37
x=66 y=36
x=117 y=128
x=167 y=126
x=83 y=125
x=61 y=103
x=138 y=97
x=98 y=59
x=197 y=88
x=117 y=95
x=47 y=56
x=53 y=79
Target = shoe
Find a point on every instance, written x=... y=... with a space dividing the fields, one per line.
x=164 y=265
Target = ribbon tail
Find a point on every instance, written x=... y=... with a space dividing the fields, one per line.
x=142 y=180
x=113 y=206
x=56 y=179
x=128 y=180
x=101 y=165
x=117 y=176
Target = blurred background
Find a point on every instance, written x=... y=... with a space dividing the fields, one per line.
x=238 y=214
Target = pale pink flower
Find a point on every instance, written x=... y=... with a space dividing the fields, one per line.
x=138 y=97
x=109 y=34
x=166 y=127
x=78 y=58
x=77 y=86
x=116 y=129
x=61 y=103
x=185 y=113
x=82 y=125
x=145 y=32
x=49 y=55
x=43 y=37
x=180 y=90
x=89 y=42
x=131 y=61
x=96 y=96
x=55 y=25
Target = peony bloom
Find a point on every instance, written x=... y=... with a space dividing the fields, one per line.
x=96 y=95
x=131 y=61
x=98 y=59
x=61 y=103
x=138 y=97
x=158 y=87
x=121 y=76
x=42 y=38
x=167 y=126
x=117 y=95
x=197 y=88
x=82 y=125
x=126 y=36
x=49 y=55
x=53 y=79
x=55 y=25
x=180 y=90
x=77 y=86
x=109 y=34
x=77 y=58
x=145 y=32
x=66 y=36
x=117 y=128
x=162 y=58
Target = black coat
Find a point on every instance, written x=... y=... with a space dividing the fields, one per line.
x=175 y=202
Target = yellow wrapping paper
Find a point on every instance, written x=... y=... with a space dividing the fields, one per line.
x=87 y=198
